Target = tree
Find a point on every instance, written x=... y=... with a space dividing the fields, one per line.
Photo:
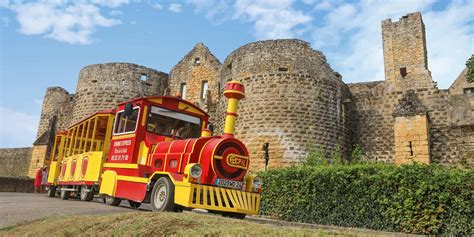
x=470 y=69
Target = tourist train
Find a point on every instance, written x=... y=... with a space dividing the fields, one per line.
x=157 y=150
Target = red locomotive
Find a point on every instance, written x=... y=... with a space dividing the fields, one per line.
x=157 y=150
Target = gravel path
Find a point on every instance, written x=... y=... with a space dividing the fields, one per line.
x=21 y=207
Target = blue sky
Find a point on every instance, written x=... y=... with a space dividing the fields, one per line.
x=46 y=43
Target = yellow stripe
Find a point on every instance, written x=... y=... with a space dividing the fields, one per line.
x=200 y=153
x=119 y=165
x=123 y=136
x=132 y=179
x=189 y=108
x=145 y=110
x=156 y=100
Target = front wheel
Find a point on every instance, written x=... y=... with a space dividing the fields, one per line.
x=52 y=191
x=86 y=195
x=112 y=201
x=65 y=194
x=162 y=196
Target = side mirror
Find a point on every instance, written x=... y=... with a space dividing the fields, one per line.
x=128 y=109
x=210 y=126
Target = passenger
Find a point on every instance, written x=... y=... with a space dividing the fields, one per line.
x=44 y=180
x=184 y=131
x=38 y=179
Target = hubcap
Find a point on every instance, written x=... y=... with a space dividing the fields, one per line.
x=161 y=196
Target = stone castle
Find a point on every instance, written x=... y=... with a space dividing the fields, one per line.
x=294 y=98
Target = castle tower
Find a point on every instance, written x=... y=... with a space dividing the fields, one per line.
x=405 y=55
x=195 y=78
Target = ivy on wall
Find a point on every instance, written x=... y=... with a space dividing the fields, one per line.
x=470 y=69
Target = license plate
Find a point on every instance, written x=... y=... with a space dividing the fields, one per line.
x=228 y=183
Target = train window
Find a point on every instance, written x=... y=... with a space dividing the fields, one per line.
x=172 y=123
x=126 y=124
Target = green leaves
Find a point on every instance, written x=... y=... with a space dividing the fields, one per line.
x=423 y=199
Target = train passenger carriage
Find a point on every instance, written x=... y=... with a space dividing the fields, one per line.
x=157 y=150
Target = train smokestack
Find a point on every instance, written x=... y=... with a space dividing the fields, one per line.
x=234 y=91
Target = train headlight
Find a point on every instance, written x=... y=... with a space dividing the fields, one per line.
x=196 y=171
x=257 y=183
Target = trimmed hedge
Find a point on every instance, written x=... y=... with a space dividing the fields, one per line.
x=422 y=199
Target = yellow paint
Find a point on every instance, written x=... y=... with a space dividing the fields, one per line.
x=121 y=166
x=145 y=113
x=123 y=136
x=189 y=108
x=132 y=179
x=235 y=91
x=205 y=133
x=230 y=119
x=156 y=100
x=109 y=183
x=143 y=153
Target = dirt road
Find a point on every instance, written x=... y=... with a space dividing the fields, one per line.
x=20 y=207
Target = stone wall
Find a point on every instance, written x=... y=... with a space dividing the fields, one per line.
x=56 y=110
x=197 y=67
x=293 y=99
x=14 y=161
x=16 y=184
x=103 y=86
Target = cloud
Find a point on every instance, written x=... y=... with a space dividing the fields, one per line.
x=115 y=13
x=110 y=3
x=157 y=6
x=70 y=22
x=270 y=19
x=175 y=7
x=351 y=37
x=17 y=129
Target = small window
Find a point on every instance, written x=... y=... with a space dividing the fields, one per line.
x=124 y=124
x=411 y=148
x=283 y=69
x=403 y=71
x=205 y=87
x=469 y=90
x=229 y=66
x=197 y=61
x=143 y=77
x=183 y=91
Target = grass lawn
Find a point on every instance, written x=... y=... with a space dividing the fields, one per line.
x=151 y=224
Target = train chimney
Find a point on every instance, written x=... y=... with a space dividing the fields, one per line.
x=234 y=91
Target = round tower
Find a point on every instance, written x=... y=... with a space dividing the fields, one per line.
x=293 y=99
x=57 y=106
x=103 y=86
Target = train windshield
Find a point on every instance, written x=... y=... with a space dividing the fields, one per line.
x=171 y=123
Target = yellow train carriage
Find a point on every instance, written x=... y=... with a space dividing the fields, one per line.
x=78 y=156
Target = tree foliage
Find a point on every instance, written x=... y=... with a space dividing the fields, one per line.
x=470 y=69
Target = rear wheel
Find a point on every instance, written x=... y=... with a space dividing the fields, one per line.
x=162 y=196
x=133 y=204
x=87 y=193
x=52 y=191
x=65 y=194
x=112 y=201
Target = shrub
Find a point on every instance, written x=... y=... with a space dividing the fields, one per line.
x=424 y=199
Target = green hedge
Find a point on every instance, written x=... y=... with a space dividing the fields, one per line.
x=424 y=199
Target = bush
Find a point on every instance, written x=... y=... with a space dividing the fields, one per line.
x=423 y=199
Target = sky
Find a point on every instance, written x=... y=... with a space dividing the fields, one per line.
x=46 y=43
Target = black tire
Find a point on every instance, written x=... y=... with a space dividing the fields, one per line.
x=86 y=195
x=52 y=191
x=65 y=194
x=112 y=201
x=162 y=196
x=234 y=215
x=133 y=204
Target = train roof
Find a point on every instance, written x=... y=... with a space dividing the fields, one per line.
x=171 y=98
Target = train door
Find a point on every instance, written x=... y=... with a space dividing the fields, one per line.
x=124 y=136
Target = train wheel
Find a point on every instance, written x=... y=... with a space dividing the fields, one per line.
x=52 y=191
x=86 y=195
x=162 y=196
x=133 y=204
x=234 y=215
x=65 y=194
x=112 y=201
